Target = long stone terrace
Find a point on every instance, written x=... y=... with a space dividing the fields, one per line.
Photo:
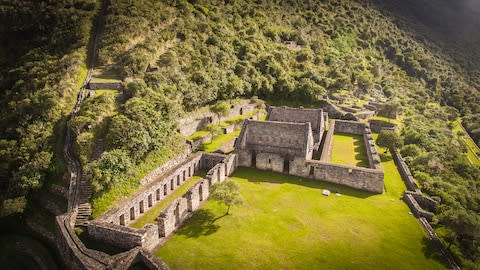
x=112 y=227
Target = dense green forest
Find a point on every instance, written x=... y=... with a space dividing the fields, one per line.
x=42 y=66
x=181 y=55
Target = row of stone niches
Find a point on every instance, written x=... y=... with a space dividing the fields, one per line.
x=168 y=186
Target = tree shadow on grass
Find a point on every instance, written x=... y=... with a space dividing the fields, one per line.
x=259 y=176
x=201 y=223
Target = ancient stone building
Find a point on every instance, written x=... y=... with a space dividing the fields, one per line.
x=286 y=145
x=276 y=146
x=316 y=117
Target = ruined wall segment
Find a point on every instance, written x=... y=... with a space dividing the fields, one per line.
x=132 y=208
x=356 y=177
x=190 y=125
x=315 y=117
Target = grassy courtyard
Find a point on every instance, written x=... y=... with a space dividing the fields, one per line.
x=286 y=223
x=349 y=149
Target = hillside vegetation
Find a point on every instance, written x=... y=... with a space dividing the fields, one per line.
x=197 y=52
x=180 y=55
x=42 y=66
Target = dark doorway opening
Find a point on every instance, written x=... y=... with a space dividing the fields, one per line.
x=254 y=159
x=286 y=165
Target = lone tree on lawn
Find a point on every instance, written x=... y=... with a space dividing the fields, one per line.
x=226 y=192
x=389 y=139
x=220 y=109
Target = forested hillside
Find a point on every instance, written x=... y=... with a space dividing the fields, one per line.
x=182 y=55
x=42 y=66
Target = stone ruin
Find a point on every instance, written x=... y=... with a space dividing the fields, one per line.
x=286 y=142
x=113 y=227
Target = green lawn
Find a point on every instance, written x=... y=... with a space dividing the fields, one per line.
x=218 y=141
x=112 y=92
x=153 y=213
x=467 y=140
x=286 y=223
x=349 y=149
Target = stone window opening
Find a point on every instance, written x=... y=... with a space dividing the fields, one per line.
x=122 y=220
x=165 y=190
x=312 y=170
x=158 y=194
x=142 y=209
x=269 y=161
x=171 y=184
x=184 y=176
x=178 y=181
x=150 y=203
x=200 y=192
x=132 y=213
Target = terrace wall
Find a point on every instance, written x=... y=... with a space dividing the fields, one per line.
x=105 y=85
x=190 y=125
x=129 y=210
x=356 y=177
x=109 y=231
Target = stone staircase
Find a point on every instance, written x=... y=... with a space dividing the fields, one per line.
x=98 y=149
x=84 y=207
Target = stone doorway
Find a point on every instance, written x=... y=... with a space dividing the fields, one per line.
x=286 y=165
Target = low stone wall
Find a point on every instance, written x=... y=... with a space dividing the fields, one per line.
x=72 y=250
x=372 y=154
x=124 y=237
x=180 y=210
x=108 y=230
x=379 y=125
x=170 y=164
x=350 y=127
x=104 y=85
x=355 y=177
x=405 y=173
x=77 y=257
x=415 y=207
x=190 y=125
x=424 y=201
x=136 y=205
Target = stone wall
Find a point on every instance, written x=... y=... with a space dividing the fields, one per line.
x=300 y=115
x=124 y=237
x=379 y=125
x=371 y=151
x=270 y=162
x=105 y=85
x=415 y=207
x=136 y=205
x=404 y=171
x=355 y=177
x=190 y=125
x=180 y=210
x=170 y=164
x=109 y=231
x=287 y=139
x=77 y=257
x=72 y=250
x=350 y=127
